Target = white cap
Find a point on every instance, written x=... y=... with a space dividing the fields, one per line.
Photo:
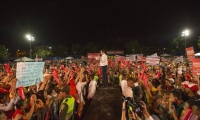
x=171 y=79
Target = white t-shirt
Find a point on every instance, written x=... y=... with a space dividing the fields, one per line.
x=104 y=60
x=123 y=86
x=79 y=87
x=92 y=88
x=128 y=92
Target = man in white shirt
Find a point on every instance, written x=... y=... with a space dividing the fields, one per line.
x=104 y=65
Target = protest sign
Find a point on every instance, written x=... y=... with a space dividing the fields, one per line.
x=152 y=60
x=140 y=57
x=29 y=73
x=190 y=53
x=131 y=57
x=196 y=66
x=178 y=59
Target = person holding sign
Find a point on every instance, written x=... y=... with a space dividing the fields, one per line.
x=104 y=67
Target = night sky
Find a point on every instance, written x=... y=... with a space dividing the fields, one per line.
x=99 y=21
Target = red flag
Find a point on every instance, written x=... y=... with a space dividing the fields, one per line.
x=56 y=79
x=109 y=62
x=144 y=69
x=55 y=72
x=128 y=63
x=21 y=91
x=63 y=68
x=139 y=75
x=123 y=63
x=7 y=68
x=158 y=75
x=143 y=63
x=99 y=70
x=145 y=79
x=55 y=75
x=188 y=77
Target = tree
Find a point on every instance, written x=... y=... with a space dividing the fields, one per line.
x=42 y=51
x=177 y=45
x=2 y=52
x=133 y=47
x=60 y=50
x=199 y=42
x=76 y=48
x=90 y=47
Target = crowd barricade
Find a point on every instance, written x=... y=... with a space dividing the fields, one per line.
x=54 y=110
x=40 y=115
x=49 y=115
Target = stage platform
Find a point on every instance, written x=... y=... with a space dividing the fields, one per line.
x=106 y=104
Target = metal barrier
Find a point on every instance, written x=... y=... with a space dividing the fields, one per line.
x=54 y=112
x=40 y=115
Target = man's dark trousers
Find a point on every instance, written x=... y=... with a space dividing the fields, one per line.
x=104 y=75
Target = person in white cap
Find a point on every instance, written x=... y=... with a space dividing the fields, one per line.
x=191 y=89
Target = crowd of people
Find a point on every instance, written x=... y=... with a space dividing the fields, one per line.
x=167 y=91
x=64 y=97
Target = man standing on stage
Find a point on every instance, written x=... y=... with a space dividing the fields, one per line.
x=104 y=65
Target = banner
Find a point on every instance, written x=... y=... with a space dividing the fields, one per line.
x=190 y=53
x=179 y=59
x=196 y=66
x=131 y=57
x=164 y=60
x=93 y=56
x=152 y=60
x=115 y=52
x=154 y=55
x=119 y=58
x=29 y=73
x=140 y=57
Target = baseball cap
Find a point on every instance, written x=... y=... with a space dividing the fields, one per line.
x=65 y=89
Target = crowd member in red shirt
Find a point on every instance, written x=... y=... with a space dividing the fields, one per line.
x=21 y=105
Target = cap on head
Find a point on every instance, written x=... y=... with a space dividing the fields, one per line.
x=65 y=89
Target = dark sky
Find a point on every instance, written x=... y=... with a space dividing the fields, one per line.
x=79 y=21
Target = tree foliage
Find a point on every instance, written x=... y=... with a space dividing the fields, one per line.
x=60 y=50
x=42 y=51
x=177 y=45
x=133 y=47
x=199 y=42
x=90 y=47
x=76 y=48
x=2 y=52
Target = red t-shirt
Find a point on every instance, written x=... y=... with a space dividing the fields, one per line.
x=17 y=112
x=73 y=90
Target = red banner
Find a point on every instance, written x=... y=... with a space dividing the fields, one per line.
x=196 y=66
x=120 y=58
x=93 y=56
x=190 y=53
